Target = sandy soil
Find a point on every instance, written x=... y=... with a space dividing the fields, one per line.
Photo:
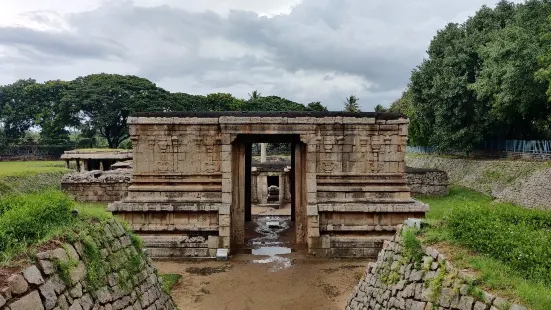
x=242 y=284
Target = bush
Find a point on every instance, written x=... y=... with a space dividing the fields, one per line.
x=27 y=219
x=516 y=236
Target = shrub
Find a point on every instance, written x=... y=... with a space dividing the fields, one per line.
x=516 y=236
x=27 y=219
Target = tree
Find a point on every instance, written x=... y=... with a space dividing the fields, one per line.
x=52 y=115
x=316 y=107
x=351 y=104
x=380 y=109
x=105 y=101
x=187 y=102
x=254 y=95
x=16 y=110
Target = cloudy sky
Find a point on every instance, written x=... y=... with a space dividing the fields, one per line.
x=305 y=50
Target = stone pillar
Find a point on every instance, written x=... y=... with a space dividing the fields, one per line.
x=67 y=163
x=262 y=152
x=78 y=165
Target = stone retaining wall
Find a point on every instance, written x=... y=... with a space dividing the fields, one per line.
x=427 y=182
x=45 y=286
x=521 y=182
x=396 y=282
x=97 y=186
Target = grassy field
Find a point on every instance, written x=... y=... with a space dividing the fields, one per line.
x=25 y=168
x=505 y=247
x=31 y=176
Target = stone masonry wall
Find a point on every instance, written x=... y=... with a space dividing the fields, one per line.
x=427 y=182
x=521 y=182
x=396 y=282
x=43 y=286
x=97 y=186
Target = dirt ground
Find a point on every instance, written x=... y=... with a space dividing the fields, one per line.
x=241 y=283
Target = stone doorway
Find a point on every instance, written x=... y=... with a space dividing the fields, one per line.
x=187 y=196
x=241 y=214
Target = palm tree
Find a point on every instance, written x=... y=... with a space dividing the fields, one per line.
x=351 y=104
x=254 y=95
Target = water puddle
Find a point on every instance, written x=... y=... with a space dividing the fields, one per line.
x=271 y=227
x=271 y=251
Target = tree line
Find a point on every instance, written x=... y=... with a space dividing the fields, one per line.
x=97 y=107
x=485 y=79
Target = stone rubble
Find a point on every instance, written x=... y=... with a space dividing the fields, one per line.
x=394 y=282
x=41 y=287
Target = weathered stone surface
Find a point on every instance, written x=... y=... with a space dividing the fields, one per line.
x=46 y=266
x=17 y=284
x=27 y=302
x=33 y=275
x=529 y=190
x=353 y=166
x=382 y=287
x=60 y=254
x=48 y=293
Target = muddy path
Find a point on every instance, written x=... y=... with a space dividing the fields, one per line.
x=240 y=284
x=269 y=273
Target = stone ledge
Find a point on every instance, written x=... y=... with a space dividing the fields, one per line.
x=124 y=206
x=416 y=206
x=391 y=283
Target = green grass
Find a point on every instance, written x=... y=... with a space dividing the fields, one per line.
x=93 y=209
x=507 y=247
x=28 y=220
x=169 y=280
x=31 y=176
x=26 y=168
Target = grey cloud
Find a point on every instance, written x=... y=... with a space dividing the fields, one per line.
x=40 y=46
x=373 y=45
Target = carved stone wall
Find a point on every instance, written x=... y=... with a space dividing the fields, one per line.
x=188 y=180
x=97 y=186
x=427 y=182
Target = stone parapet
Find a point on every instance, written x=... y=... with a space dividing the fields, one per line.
x=427 y=182
x=395 y=281
x=97 y=186
x=42 y=286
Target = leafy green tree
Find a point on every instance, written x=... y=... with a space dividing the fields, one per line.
x=16 y=110
x=187 y=102
x=223 y=102
x=518 y=102
x=351 y=104
x=105 y=101
x=380 y=109
x=52 y=115
x=316 y=106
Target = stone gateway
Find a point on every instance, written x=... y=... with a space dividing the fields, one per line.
x=191 y=182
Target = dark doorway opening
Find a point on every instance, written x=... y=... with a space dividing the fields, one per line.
x=254 y=220
x=272 y=180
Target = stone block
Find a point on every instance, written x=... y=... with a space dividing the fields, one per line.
x=224 y=209
x=17 y=284
x=33 y=275
x=48 y=292
x=27 y=302
x=213 y=242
